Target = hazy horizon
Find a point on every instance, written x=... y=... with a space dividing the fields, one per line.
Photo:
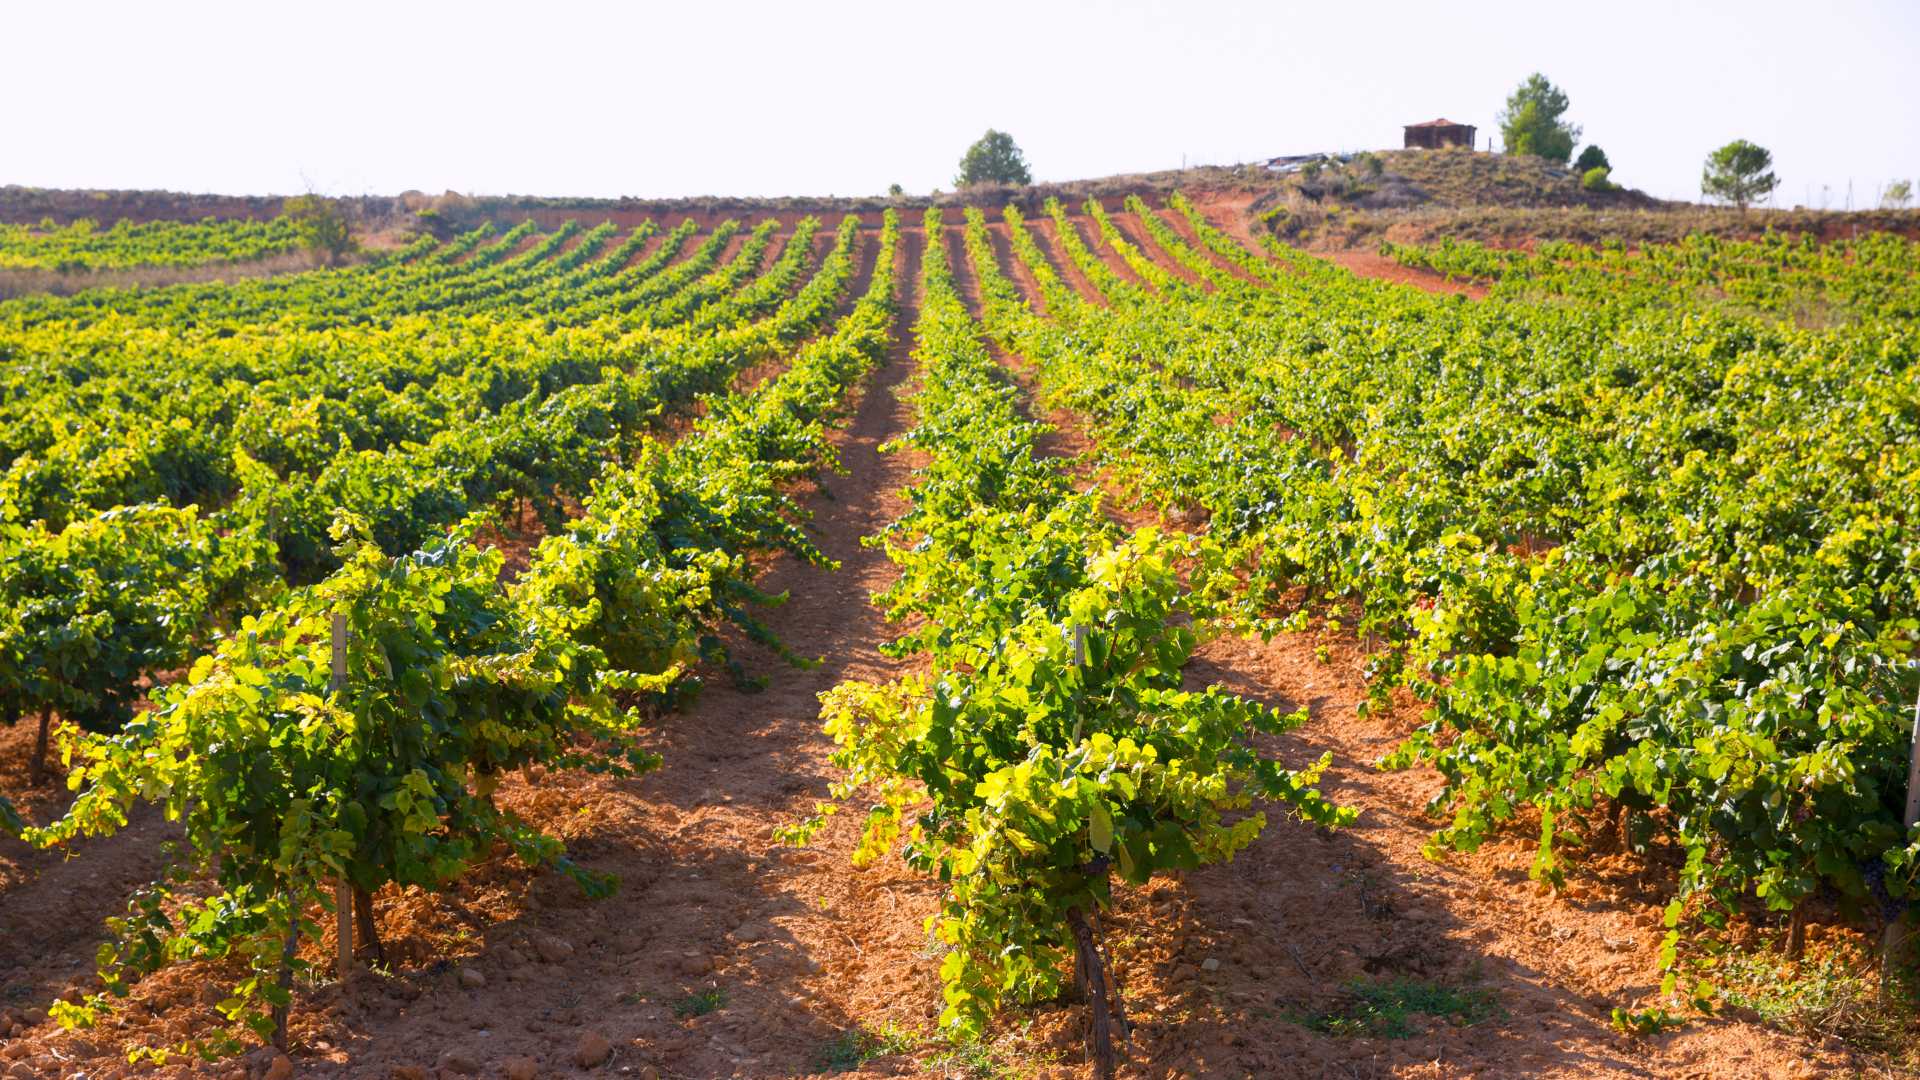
x=755 y=99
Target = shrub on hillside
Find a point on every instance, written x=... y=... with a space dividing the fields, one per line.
x=322 y=224
x=1597 y=178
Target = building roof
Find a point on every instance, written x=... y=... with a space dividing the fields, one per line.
x=1440 y=123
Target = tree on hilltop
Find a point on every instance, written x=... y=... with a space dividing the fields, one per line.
x=1531 y=122
x=995 y=159
x=1740 y=173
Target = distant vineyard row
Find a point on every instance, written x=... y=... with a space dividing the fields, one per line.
x=83 y=245
x=1874 y=277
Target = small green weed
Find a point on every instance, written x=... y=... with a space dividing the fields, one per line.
x=857 y=1046
x=700 y=1003
x=972 y=1058
x=1384 y=1009
x=1648 y=1022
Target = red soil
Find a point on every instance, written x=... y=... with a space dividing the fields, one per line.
x=647 y=247
x=1013 y=268
x=1227 y=211
x=1372 y=264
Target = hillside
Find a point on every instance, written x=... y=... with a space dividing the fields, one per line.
x=1346 y=202
x=1512 y=201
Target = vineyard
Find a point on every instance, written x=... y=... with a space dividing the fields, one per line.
x=83 y=245
x=1081 y=640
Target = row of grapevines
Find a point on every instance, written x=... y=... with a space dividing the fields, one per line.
x=537 y=451
x=182 y=462
x=422 y=274
x=1049 y=745
x=83 y=245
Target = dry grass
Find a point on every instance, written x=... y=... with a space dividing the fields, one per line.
x=1832 y=993
x=31 y=205
x=1465 y=178
x=1252 y=178
x=1339 y=228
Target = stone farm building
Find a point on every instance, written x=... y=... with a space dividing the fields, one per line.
x=1435 y=134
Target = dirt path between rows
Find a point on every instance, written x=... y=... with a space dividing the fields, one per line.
x=1014 y=269
x=1229 y=213
x=641 y=254
x=53 y=903
x=1063 y=439
x=1048 y=239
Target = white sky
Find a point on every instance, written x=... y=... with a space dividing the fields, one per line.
x=739 y=97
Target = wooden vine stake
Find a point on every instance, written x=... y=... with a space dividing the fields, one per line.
x=1890 y=940
x=342 y=889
